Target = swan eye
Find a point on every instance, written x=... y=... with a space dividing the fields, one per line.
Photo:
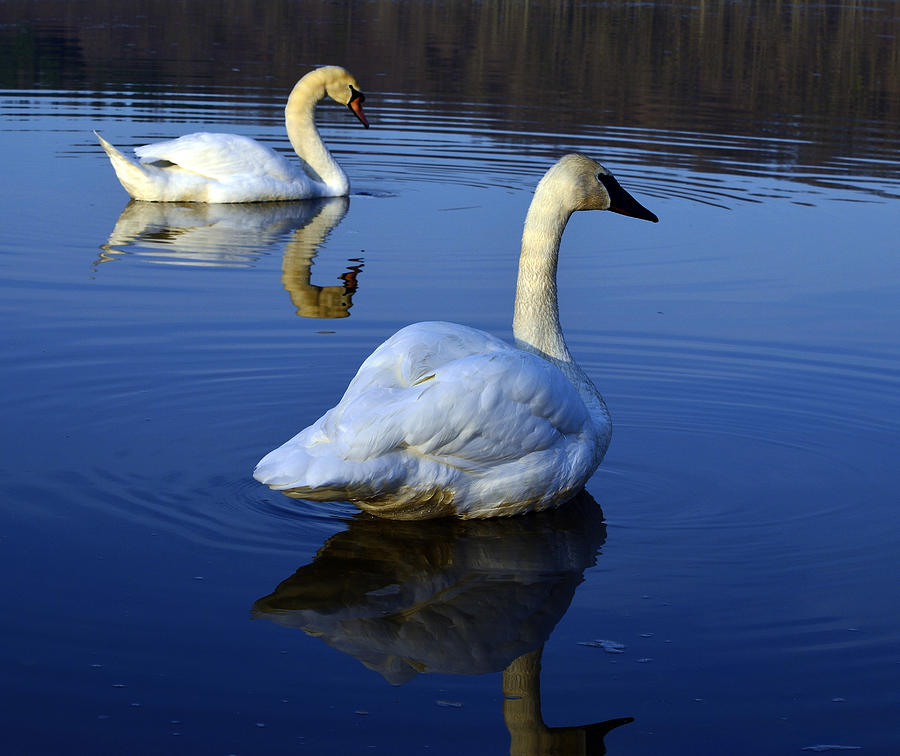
x=355 y=94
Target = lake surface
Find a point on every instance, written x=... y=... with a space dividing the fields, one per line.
x=729 y=582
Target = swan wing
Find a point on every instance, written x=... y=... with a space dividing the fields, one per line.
x=455 y=394
x=435 y=402
x=219 y=157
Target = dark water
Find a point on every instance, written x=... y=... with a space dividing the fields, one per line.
x=738 y=591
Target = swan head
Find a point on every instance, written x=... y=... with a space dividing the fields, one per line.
x=589 y=186
x=342 y=87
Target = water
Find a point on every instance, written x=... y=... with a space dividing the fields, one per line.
x=158 y=600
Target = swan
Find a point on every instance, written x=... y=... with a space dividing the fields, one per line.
x=206 y=167
x=443 y=419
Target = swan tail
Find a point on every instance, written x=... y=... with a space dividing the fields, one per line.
x=397 y=502
x=318 y=473
x=133 y=176
x=319 y=477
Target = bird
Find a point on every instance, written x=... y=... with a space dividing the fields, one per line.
x=447 y=420
x=222 y=168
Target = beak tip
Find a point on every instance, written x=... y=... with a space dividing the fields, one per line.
x=355 y=106
x=640 y=212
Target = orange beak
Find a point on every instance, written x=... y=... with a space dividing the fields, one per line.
x=355 y=105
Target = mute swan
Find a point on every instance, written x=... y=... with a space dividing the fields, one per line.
x=443 y=419
x=206 y=167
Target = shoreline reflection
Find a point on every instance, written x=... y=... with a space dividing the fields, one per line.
x=465 y=597
x=236 y=236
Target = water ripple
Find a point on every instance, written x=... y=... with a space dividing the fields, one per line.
x=702 y=429
x=483 y=144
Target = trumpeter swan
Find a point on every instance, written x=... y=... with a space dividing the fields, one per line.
x=443 y=419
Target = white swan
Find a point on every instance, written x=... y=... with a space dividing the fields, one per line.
x=206 y=167
x=442 y=419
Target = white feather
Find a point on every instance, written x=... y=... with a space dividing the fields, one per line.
x=219 y=156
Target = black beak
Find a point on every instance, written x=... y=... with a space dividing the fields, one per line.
x=622 y=202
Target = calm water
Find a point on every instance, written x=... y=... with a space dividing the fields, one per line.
x=738 y=592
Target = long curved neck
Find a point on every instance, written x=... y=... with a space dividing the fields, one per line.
x=301 y=129
x=536 y=317
x=536 y=325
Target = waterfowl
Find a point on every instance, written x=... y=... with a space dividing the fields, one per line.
x=205 y=167
x=443 y=419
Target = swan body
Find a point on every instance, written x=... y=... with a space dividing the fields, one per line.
x=443 y=419
x=219 y=168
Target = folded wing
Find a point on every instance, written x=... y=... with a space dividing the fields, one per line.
x=437 y=406
x=221 y=157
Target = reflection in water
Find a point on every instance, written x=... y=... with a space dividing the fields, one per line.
x=310 y=300
x=528 y=734
x=453 y=597
x=200 y=234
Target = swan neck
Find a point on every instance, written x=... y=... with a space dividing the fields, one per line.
x=536 y=317
x=536 y=325
x=299 y=117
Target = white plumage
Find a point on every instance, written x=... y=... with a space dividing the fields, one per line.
x=443 y=419
x=415 y=412
x=218 y=168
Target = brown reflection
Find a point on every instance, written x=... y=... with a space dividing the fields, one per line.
x=310 y=300
x=453 y=597
x=824 y=74
x=235 y=235
x=529 y=736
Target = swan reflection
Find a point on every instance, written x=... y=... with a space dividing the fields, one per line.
x=453 y=597
x=236 y=235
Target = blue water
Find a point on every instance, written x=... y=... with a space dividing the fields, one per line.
x=738 y=546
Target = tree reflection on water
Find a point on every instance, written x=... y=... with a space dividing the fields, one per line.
x=820 y=74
